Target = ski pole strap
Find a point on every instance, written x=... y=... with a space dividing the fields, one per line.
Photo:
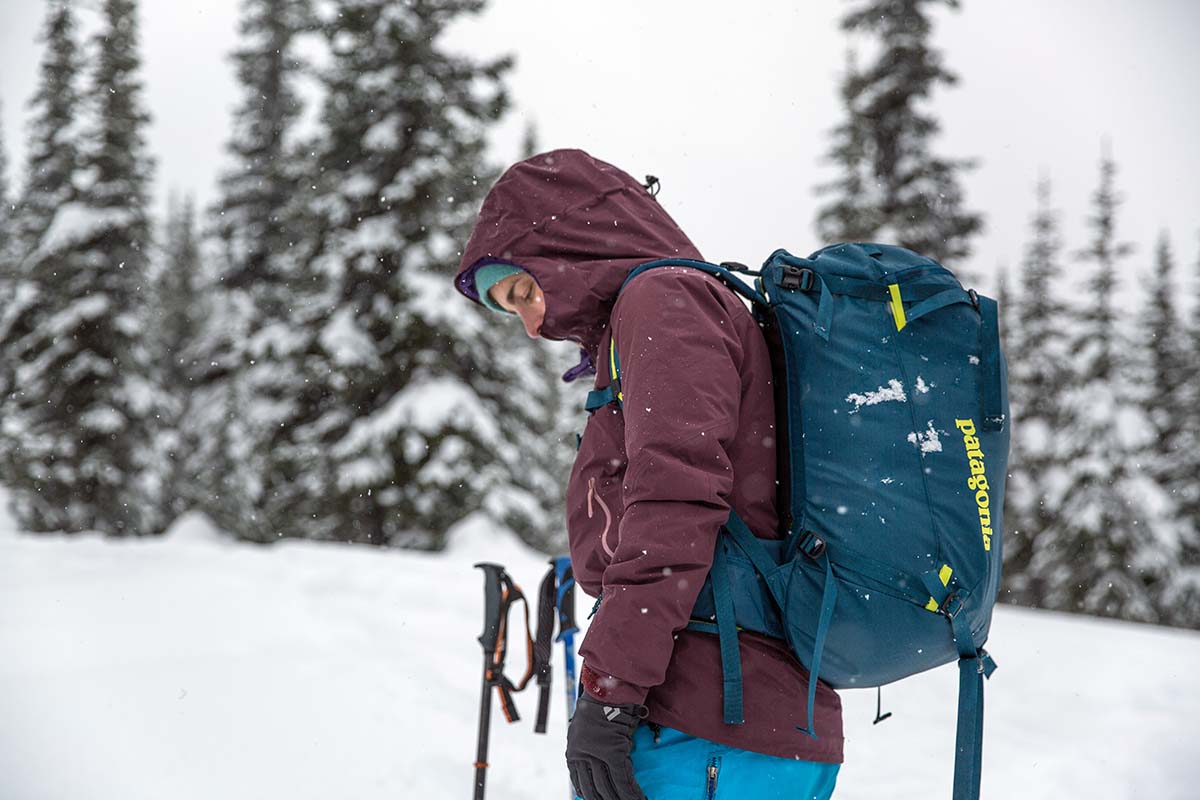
x=564 y=602
x=564 y=597
x=542 y=645
x=500 y=593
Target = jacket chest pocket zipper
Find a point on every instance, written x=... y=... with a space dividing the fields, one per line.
x=710 y=788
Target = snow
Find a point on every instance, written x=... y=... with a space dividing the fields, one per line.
x=76 y=222
x=192 y=667
x=345 y=341
x=85 y=309
x=893 y=391
x=927 y=439
x=425 y=406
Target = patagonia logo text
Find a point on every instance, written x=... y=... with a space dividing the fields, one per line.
x=978 y=481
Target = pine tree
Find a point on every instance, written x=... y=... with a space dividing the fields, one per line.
x=8 y=249
x=50 y=183
x=1039 y=373
x=1165 y=339
x=1107 y=551
x=52 y=155
x=8 y=268
x=1161 y=396
x=892 y=187
x=7 y=208
x=420 y=394
x=175 y=316
x=1183 y=597
x=85 y=401
x=529 y=142
x=260 y=296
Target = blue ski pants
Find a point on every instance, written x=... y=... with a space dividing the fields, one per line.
x=683 y=767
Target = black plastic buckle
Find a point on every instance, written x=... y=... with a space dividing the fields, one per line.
x=735 y=266
x=796 y=278
x=811 y=545
x=974 y=298
x=952 y=605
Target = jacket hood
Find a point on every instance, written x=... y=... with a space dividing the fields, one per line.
x=578 y=225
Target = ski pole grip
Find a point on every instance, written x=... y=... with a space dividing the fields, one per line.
x=493 y=598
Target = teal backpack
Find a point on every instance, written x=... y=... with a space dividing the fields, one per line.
x=891 y=400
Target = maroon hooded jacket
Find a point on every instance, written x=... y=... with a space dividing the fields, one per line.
x=652 y=484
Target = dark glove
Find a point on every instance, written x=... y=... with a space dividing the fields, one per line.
x=599 y=741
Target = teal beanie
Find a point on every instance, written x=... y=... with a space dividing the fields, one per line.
x=488 y=276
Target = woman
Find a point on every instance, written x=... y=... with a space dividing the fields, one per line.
x=652 y=484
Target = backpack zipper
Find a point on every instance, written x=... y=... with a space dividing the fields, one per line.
x=714 y=767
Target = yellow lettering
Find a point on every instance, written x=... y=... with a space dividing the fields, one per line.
x=977 y=481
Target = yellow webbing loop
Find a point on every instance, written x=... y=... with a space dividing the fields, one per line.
x=944 y=573
x=897 y=306
x=612 y=364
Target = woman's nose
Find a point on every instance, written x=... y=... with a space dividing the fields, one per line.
x=530 y=317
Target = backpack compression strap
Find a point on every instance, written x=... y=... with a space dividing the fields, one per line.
x=973 y=666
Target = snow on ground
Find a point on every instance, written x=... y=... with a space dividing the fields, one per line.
x=191 y=666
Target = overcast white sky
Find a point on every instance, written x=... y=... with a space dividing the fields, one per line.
x=731 y=104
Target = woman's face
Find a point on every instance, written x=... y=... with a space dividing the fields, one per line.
x=520 y=294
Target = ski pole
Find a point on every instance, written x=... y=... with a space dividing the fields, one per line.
x=499 y=593
x=564 y=579
x=564 y=603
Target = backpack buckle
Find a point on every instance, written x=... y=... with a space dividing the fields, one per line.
x=796 y=278
x=974 y=298
x=952 y=605
x=811 y=545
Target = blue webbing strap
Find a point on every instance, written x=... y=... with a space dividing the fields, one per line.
x=901 y=583
x=754 y=550
x=717 y=271
x=973 y=666
x=828 y=601
x=731 y=661
x=989 y=380
x=937 y=301
x=598 y=398
x=773 y=577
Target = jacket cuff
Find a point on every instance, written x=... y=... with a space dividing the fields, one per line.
x=614 y=690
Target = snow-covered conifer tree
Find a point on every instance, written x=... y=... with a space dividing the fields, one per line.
x=1110 y=547
x=892 y=187
x=176 y=315
x=260 y=296
x=1039 y=370
x=49 y=181
x=30 y=435
x=422 y=389
x=89 y=403
x=7 y=207
x=1181 y=600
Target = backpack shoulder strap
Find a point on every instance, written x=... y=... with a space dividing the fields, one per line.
x=612 y=393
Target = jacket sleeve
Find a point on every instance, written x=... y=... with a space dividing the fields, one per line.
x=680 y=357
